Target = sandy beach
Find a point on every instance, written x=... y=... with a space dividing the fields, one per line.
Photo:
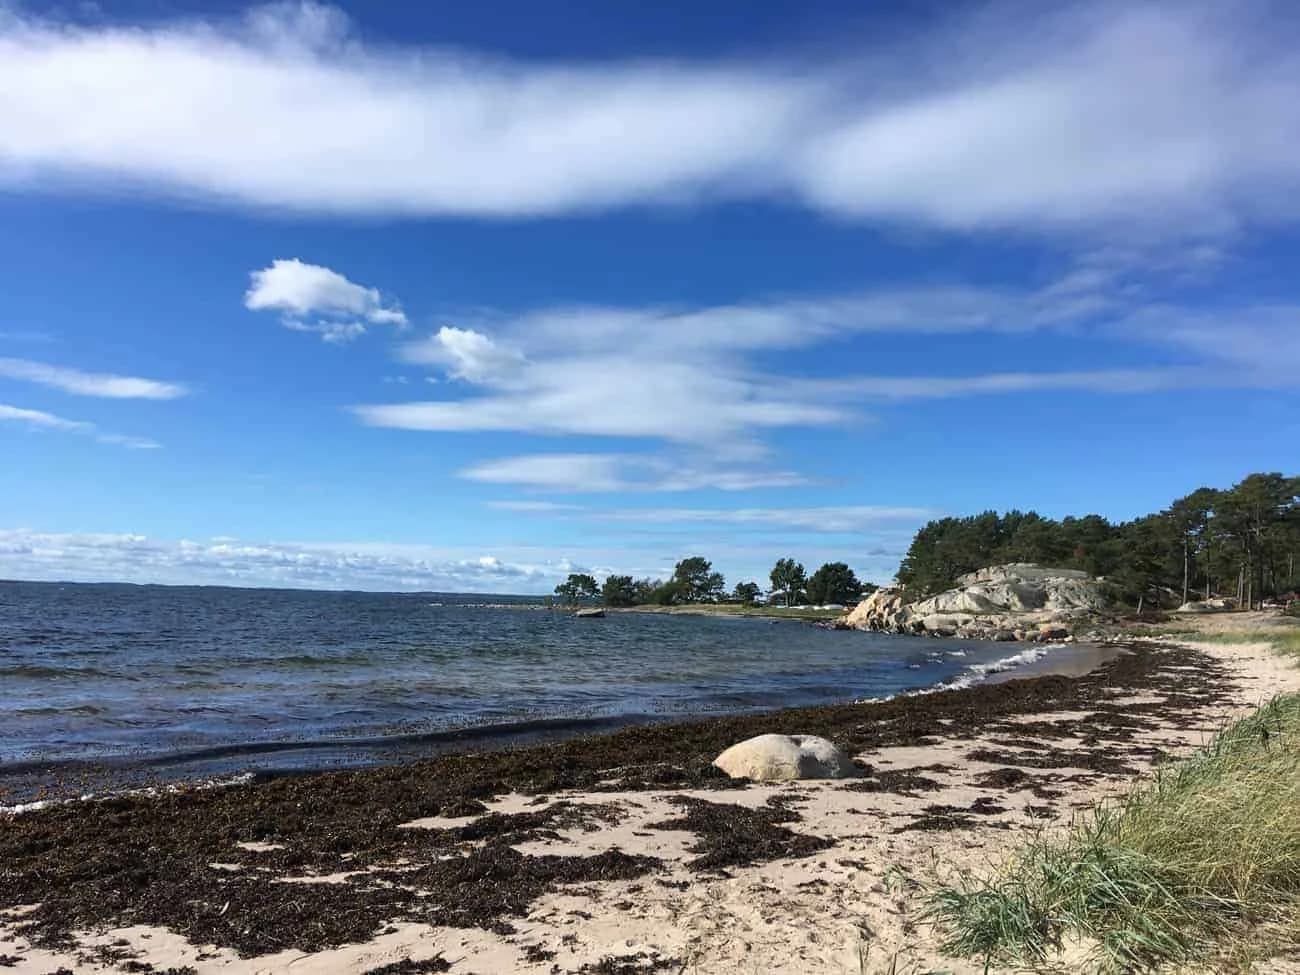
x=620 y=853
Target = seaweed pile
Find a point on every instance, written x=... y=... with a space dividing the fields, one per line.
x=150 y=860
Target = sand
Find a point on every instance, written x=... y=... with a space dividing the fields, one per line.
x=929 y=812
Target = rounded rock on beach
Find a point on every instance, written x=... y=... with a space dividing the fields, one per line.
x=783 y=758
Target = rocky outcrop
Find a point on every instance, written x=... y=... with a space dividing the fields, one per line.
x=781 y=758
x=1018 y=601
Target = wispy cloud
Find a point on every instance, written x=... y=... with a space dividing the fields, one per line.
x=89 y=383
x=573 y=472
x=698 y=377
x=315 y=299
x=41 y=420
x=616 y=395
x=1023 y=117
x=1116 y=381
x=831 y=519
x=139 y=558
x=532 y=507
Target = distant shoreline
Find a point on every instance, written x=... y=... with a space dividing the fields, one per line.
x=804 y=613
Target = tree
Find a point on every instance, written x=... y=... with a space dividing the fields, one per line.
x=1190 y=519
x=697 y=582
x=1145 y=546
x=1255 y=515
x=788 y=578
x=1244 y=538
x=834 y=582
x=619 y=591
x=643 y=590
x=747 y=593
x=666 y=593
x=577 y=587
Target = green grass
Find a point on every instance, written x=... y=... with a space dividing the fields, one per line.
x=1283 y=639
x=1202 y=862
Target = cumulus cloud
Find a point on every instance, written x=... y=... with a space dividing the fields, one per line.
x=315 y=299
x=586 y=472
x=92 y=557
x=89 y=383
x=1024 y=117
x=466 y=354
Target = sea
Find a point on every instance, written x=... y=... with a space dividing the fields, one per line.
x=195 y=683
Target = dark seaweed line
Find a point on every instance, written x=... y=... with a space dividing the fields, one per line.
x=146 y=861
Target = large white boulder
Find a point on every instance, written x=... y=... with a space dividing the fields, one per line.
x=1018 y=571
x=781 y=758
x=999 y=598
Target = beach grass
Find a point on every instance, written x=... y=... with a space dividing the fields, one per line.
x=1284 y=637
x=1203 y=861
x=1284 y=641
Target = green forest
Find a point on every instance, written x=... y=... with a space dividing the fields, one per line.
x=1240 y=542
x=694 y=582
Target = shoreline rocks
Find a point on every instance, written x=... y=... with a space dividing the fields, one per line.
x=1018 y=601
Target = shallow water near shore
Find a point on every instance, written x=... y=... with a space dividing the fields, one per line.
x=190 y=682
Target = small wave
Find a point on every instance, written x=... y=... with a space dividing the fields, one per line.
x=35 y=671
x=969 y=677
x=977 y=672
x=88 y=710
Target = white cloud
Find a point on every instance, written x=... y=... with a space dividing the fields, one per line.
x=130 y=443
x=376 y=566
x=582 y=472
x=315 y=299
x=692 y=376
x=336 y=333
x=1023 y=118
x=831 y=519
x=532 y=507
x=931 y=309
x=92 y=557
x=1132 y=381
x=569 y=472
x=1259 y=343
x=41 y=420
x=693 y=402
x=1049 y=130
x=466 y=354
x=89 y=383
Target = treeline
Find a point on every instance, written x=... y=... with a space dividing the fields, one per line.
x=1239 y=542
x=694 y=581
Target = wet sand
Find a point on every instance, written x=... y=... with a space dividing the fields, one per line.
x=624 y=852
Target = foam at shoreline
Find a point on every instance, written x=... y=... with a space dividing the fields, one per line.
x=1042 y=660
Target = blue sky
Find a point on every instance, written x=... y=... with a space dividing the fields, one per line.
x=395 y=296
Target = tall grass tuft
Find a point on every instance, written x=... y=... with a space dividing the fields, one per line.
x=1203 y=860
